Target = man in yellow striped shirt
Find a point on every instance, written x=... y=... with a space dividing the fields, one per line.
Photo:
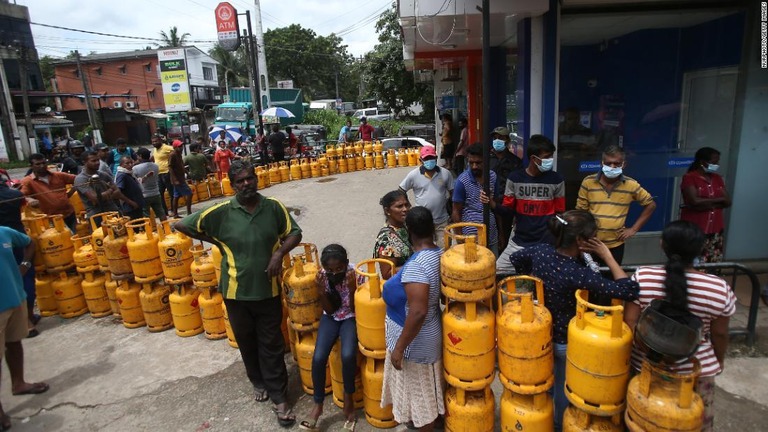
x=608 y=195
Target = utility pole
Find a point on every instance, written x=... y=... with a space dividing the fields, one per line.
x=26 y=150
x=11 y=112
x=254 y=74
x=486 y=50
x=92 y=118
x=338 y=107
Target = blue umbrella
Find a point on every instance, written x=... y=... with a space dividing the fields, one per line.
x=232 y=132
x=277 y=112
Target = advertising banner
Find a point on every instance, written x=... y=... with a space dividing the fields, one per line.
x=227 y=28
x=175 y=79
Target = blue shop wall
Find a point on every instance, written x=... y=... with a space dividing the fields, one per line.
x=645 y=69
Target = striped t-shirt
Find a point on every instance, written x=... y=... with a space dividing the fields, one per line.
x=467 y=192
x=534 y=200
x=709 y=297
x=423 y=267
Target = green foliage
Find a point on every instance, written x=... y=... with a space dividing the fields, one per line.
x=232 y=63
x=47 y=71
x=172 y=39
x=328 y=118
x=385 y=76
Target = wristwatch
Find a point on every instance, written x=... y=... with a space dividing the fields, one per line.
x=26 y=264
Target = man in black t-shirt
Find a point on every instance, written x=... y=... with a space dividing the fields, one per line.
x=276 y=142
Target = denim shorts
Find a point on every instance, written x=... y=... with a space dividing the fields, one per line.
x=181 y=190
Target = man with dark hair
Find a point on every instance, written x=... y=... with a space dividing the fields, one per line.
x=120 y=151
x=147 y=173
x=255 y=233
x=133 y=207
x=469 y=196
x=179 y=180
x=160 y=156
x=73 y=162
x=365 y=131
x=96 y=189
x=47 y=190
x=276 y=142
x=198 y=163
x=503 y=162
x=105 y=155
x=533 y=195
x=608 y=196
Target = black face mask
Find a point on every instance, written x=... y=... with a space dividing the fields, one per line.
x=335 y=278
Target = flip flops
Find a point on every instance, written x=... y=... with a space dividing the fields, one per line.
x=260 y=395
x=349 y=425
x=284 y=418
x=34 y=388
x=309 y=425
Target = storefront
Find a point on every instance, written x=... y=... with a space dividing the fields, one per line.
x=660 y=79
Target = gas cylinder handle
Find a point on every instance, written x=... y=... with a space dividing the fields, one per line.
x=526 y=299
x=616 y=312
x=372 y=274
x=480 y=236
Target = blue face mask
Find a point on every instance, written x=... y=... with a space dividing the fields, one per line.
x=430 y=164
x=499 y=145
x=611 y=172
x=546 y=164
x=711 y=168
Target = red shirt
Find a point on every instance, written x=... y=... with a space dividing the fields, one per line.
x=710 y=221
x=366 y=132
x=223 y=158
x=51 y=195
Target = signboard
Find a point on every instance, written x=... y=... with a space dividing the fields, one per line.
x=286 y=84
x=173 y=75
x=227 y=27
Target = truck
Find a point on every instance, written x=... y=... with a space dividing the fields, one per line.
x=239 y=110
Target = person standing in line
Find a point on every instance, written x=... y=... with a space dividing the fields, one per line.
x=504 y=161
x=147 y=173
x=72 y=162
x=432 y=187
x=533 y=196
x=365 y=132
x=121 y=150
x=160 y=156
x=276 y=142
x=608 y=195
x=130 y=188
x=179 y=180
x=293 y=142
x=392 y=242
x=254 y=233
x=98 y=192
x=704 y=198
x=459 y=158
x=502 y=133
x=47 y=190
x=706 y=296
x=469 y=197
x=104 y=154
x=413 y=367
x=447 y=139
x=197 y=162
x=335 y=283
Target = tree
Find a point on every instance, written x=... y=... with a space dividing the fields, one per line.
x=311 y=61
x=232 y=64
x=47 y=71
x=384 y=72
x=172 y=38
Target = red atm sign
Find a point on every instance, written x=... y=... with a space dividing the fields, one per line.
x=227 y=27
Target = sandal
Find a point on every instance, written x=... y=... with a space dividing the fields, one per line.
x=284 y=418
x=34 y=388
x=309 y=425
x=349 y=425
x=260 y=394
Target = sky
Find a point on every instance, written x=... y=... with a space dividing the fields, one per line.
x=354 y=21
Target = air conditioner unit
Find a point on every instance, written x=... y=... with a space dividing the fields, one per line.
x=117 y=104
x=130 y=104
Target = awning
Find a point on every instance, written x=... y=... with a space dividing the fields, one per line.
x=46 y=122
x=148 y=114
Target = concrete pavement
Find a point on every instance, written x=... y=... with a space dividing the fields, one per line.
x=105 y=377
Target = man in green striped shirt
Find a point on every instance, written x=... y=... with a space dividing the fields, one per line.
x=253 y=232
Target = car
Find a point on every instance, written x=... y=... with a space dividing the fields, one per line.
x=404 y=141
x=426 y=131
x=318 y=129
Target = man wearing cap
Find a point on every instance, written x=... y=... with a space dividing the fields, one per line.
x=503 y=162
x=104 y=155
x=432 y=187
x=160 y=156
x=365 y=131
x=178 y=179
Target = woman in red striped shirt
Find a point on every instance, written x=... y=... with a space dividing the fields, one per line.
x=707 y=296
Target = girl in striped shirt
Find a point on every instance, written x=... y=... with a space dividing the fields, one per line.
x=707 y=296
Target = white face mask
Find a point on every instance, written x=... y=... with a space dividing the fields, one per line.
x=612 y=172
x=711 y=168
x=546 y=164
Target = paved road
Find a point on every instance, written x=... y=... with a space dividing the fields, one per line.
x=105 y=377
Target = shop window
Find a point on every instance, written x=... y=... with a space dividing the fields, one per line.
x=207 y=73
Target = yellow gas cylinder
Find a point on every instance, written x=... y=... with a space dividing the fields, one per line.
x=469 y=344
x=116 y=248
x=368 y=159
x=214 y=186
x=97 y=238
x=337 y=380
x=378 y=147
x=216 y=260
x=295 y=170
x=314 y=168
x=521 y=412
x=597 y=357
x=306 y=169
x=467 y=270
x=330 y=151
x=82 y=226
x=185 y=310
x=322 y=160
x=576 y=420
x=111 y=286
x=333 y=166
x=299 y=288
x=46 y=300
x=285 y=331
x=305 y=349
x=413 y=157
x=349 y=149
x=469 y=411
x=55 y=241
x=201 y=186
x=291 y=338
x=195 y=198
x=95 y=294
x=368 y=147
x=659 y=400
x=210 y=302
x=33 y=228
x=526 y=359
x=228 y=327
x=358 y=147
x=342 y=161
x=68 y=292
x=143 y=251
x=370 y=309
x=324 y=171
x=155 y=306
x=203 y=273
x=84 y=256
x=402 y=158
x=174 y=251
x=283 y=171
x=261 y=177
x=274 y=174
x=76 y=201
x=378 y=161
x=129 y=298
x=359 y=162
x=373 y=380
x=391 y=158
x=226 y=185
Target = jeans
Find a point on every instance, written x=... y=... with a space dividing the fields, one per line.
x=165 y=184
x=558 y=391
x=329 y=331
